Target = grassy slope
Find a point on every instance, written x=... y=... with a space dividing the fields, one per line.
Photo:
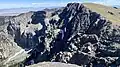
x=103 y=10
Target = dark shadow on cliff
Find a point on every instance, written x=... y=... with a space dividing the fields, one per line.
x=28 y=40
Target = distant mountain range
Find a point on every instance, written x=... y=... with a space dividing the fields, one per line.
x=17 y=11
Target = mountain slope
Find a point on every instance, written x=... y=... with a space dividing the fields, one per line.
x=85 y=38
x=80 y=34
x=110 y=13
x=10 y=52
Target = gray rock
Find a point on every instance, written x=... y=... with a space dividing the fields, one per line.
x=74 y=34
x=53 y=64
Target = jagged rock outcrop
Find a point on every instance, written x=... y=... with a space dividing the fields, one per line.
x=82 y=34
x=74 y=34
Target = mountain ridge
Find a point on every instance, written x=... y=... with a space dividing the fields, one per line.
x=74 y=34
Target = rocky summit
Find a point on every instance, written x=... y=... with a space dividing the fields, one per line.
x=86 y=35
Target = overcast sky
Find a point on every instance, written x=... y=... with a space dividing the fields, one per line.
x=49 y=3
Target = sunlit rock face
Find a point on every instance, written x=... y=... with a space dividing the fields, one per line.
x=10 y=52
x=53 y=64
x=73 y=34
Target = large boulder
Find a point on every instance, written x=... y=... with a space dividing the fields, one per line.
x=53 y=64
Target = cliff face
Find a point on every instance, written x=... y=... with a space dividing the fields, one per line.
x=74 y=34
x=10 y=52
